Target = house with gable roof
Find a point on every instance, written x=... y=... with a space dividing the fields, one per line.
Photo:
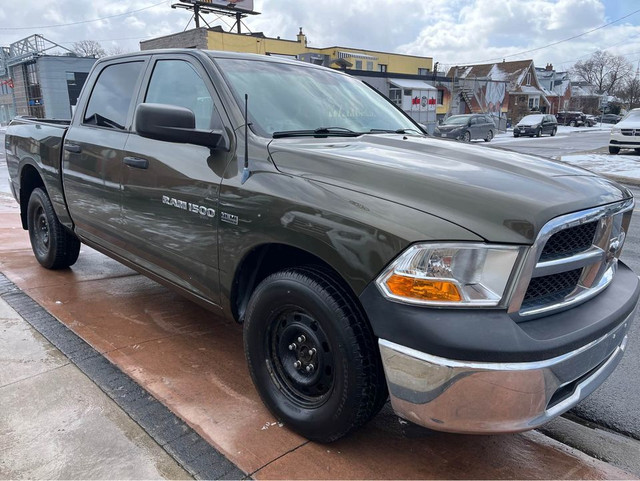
x=556 y=86
x=508 y=89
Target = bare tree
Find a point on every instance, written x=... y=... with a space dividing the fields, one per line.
x=116 y=50
x=629 y=92
x=604 y=70
x=88 y=48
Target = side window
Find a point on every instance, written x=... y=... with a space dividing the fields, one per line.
x=111 y=97
x=176 y=82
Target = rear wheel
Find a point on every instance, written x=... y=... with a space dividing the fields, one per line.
x=312 y=355
x=614 y=150
x=489 y=136
x=53 y=246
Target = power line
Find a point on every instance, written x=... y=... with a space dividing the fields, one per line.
x=554 y=43
x=130 y=12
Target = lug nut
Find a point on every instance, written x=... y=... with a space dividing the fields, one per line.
x=297 y=364
x=292 y=346
x=302 y=338
x=312 y=351
x=310 y=368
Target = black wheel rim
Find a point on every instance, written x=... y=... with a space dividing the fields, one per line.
x=41 y=233
x=301 y=357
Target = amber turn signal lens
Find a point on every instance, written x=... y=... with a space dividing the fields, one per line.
x=423 y=289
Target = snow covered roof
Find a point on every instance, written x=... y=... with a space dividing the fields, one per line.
x=512 y=72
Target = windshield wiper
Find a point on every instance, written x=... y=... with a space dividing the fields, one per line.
x=397 y=131
x=321 y=131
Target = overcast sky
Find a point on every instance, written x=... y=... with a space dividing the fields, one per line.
x=450 y=31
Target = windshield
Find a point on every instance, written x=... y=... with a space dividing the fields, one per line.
x=457 y=120
x=531 y=119
x=284 y=97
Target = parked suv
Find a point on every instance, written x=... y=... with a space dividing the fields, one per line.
x=573 y=119
x=626 y=133
x=537 y=125
x=467 y=127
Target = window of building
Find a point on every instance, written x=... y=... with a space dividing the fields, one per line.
x=111 y=97
x=369 y=65
x=176 y=82
x=528 y=79
x=382 y=67
x=34 y=93
x=358 y=64
x=395 y=94
x=534 y=103
x=440 y=97
x=423 y=71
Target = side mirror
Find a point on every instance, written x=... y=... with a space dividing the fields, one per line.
x=173 y=124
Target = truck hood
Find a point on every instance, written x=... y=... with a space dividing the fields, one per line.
x=499 y=195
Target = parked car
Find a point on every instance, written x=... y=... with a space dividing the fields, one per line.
x=467 y=127
x=591 y=120
x=480 y=289
x=536 y=124
x=626 y=133
x=611 y=118
x=573 y=119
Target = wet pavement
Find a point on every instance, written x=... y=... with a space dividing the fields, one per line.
x=192 y=362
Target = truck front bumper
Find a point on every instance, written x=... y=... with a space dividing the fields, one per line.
x=476 y=397
x=480 y=371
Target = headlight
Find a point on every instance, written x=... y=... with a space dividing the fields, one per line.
x=451 y=274
x=616 y=130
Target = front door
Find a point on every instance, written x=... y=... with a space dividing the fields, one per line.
x=170 y=190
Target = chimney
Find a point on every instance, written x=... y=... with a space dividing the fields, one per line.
x=302 y=38
x=549 y=67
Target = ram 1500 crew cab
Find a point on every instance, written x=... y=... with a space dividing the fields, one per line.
x=480 y=289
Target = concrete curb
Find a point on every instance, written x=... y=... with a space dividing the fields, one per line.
x=179 y=440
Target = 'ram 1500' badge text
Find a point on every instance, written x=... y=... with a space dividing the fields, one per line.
x=195 y=208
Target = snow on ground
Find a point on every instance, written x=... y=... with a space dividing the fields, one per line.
x=626 y=164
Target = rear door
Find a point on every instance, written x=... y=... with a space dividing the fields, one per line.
x=170 y=190
x=93 y=150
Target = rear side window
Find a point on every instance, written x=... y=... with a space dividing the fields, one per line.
x=111 y=97
x=176 y=82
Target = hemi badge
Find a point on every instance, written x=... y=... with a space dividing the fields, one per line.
x=230 y=218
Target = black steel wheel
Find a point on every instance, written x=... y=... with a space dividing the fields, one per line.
x=53 y=246
x=312 y=355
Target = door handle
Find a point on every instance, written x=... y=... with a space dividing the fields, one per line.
x=136 y=162
x=73 y=148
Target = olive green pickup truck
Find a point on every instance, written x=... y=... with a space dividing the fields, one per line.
x=479 y=290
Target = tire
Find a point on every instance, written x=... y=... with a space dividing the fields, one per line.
x=554 y=131
x=516 y=135
x=53 y=246
x=489 y=136
x=538 y=132
x=614 y=150
x=466 y=137
x=304 y=315
x=572 y=123
x=637 y=151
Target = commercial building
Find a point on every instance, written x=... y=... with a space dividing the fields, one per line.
x=405 y=79
x=40 y=78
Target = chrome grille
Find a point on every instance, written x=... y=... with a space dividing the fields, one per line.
x=631 y=132
x=573 y=258
x=569 y=241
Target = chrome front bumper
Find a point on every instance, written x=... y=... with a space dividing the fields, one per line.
x=477 y=397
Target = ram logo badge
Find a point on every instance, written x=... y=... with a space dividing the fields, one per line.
x=195 y=208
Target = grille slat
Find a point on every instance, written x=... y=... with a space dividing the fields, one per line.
x=569 y=241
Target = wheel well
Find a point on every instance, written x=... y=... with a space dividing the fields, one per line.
x=29 y=180
x=263 y=261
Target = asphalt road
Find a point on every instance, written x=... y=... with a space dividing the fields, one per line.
x=616 y=403
x=554 y=147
